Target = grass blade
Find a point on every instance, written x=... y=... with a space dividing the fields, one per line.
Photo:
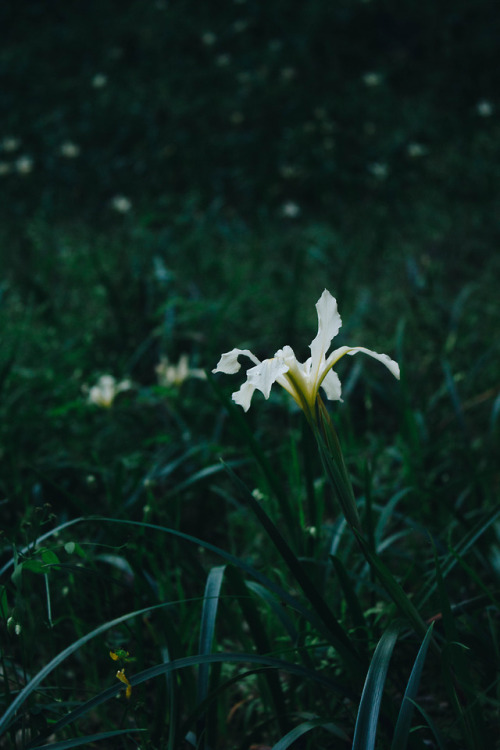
x=365 y=730
x=78 y=741
x=287 y=741
x=403 y=724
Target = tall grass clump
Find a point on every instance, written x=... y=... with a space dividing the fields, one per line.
x=300 y=592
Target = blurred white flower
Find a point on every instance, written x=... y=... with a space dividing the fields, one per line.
x=99 y=80
x=222 y=61
x=240 y=25
x=275 y=45
x=208 y=38
x=379 y=170
x=372 y=79
x=484 y=108
x=10 y=144
x=69 y=150
x=290 y=210
x=121 y=204
x=105 y=391
x=415 y=150
x=24 y=165
x=301 y=380
x=288 y=74
x=171 y=374
x=289 y=171
x=5 y=168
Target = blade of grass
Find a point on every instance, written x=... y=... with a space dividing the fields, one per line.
x=365 y=731
x=207 y=630
x=299 y=731
x=78 y=741
x=403 y=724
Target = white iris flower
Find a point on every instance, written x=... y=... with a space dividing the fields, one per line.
x=301 y=380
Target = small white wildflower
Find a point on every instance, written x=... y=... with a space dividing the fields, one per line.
x=379 y=170
x=320 y=113
x=99 y=81
x=290 y=210
x=372 y=79
x=10 y=144
x=169 y=374
x=24 y=165
x=275 y=45
x=237 y=118
x=289 y=171
x=5 y=168
x=121 y=204
x=222 y=61
x=105 y=391
x=484 y=108
x=17 y=629
x=239 y=26
x=244 y=77
x=312 y=531
x=208 y=38
x=288 y=74
x=69 y=150
x=415 y=150
x=258 y=495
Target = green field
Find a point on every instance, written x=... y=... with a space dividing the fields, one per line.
x=180 y=179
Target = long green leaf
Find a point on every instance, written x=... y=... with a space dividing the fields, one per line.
x=365 y=731
x=78 y=741
x=207 y=630
x=299 y=731
x=403 y=724
x=207 y=626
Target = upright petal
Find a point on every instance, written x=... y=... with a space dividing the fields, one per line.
x=329 y=323
x=229 y=364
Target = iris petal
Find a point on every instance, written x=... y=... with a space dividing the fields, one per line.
x=329 y=323
x=229 y=364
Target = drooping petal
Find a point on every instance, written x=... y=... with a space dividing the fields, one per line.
x=331 y=386
x=266 y=373
x=329 y=323
x=351 y=350
x=243 y=397
x=384 y=358
x=229 y=364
